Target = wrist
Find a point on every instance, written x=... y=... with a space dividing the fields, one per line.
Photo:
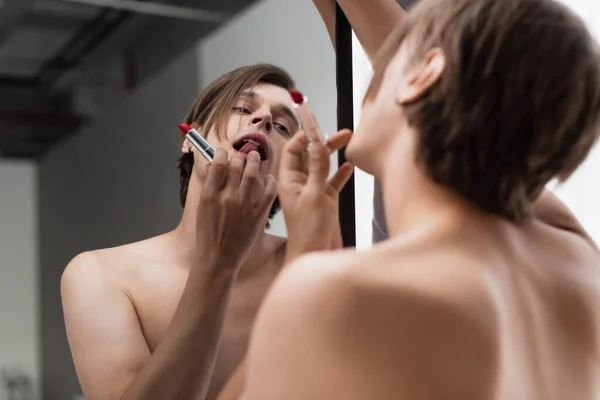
x=214 y=269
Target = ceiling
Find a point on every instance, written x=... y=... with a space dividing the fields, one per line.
x=54 y=53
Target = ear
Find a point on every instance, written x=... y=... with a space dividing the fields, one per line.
x=423 y=76
x=187 y=145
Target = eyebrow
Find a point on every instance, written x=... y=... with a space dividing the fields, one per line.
x=283 y=108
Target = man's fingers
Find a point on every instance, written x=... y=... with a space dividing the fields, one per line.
x=293 y=152
x=269 y=194
x=338 y=140
x=217 y=171
x=339 y=180
x=318 y=166
x=234 y=174
x=250 y=178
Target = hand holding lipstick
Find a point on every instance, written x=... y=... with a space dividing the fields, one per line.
x=233 y=209
x=207 y=151
x=308 y=199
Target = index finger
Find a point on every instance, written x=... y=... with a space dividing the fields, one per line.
x=293 y=152
x=338 y=140
x=218 y=171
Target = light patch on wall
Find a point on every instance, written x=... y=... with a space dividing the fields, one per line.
x=19 y=351
x=363 y=182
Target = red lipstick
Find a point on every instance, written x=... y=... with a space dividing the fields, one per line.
x=306 y=116
x=198 y=141
x=258 y=139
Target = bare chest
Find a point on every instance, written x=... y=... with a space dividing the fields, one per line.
x=157 y=297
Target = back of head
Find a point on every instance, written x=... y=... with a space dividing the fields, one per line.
x=517 y=105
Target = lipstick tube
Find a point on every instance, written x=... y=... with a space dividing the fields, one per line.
x=207 y=151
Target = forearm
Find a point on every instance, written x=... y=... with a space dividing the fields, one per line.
x=372 y=20
x=181 y=366
x=326 y=9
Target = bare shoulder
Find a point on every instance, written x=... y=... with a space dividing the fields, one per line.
x=109 y=266
x=103 y=329
x=375 y=323
x=84 y=266
x=85 y=274
x=395 y=278
x=550 y=210
x=315 y=274
x=91 y=263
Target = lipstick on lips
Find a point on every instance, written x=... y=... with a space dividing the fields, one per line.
x=207 y=151
x=307 y=118
x=253 y=142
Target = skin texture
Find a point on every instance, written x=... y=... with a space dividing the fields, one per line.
x=169 y=317
x=458 y=304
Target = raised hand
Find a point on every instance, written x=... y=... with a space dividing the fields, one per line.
x=233 y=208
x=308 y=199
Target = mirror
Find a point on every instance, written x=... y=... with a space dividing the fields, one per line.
x=90 y=159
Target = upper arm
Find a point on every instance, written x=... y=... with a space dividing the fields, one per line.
x=105 y=337
x=320 y=336
x=326 y=9
x=372 y=20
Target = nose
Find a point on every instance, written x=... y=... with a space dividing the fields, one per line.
x=262 y=119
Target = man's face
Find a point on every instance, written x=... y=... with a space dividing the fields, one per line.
x=261 y=119
x=383 y=124
x=380 y=118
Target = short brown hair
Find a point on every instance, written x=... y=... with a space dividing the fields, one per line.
x=517 y=105
x=214 y=104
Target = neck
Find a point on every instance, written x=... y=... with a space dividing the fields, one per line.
x=184 y=234
x=413 y=203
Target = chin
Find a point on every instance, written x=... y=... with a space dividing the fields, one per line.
x=359 y=156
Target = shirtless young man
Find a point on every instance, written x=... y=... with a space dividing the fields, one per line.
x=488 y=288
x=153 y=319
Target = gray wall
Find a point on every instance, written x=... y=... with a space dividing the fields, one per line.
x=113 y=183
